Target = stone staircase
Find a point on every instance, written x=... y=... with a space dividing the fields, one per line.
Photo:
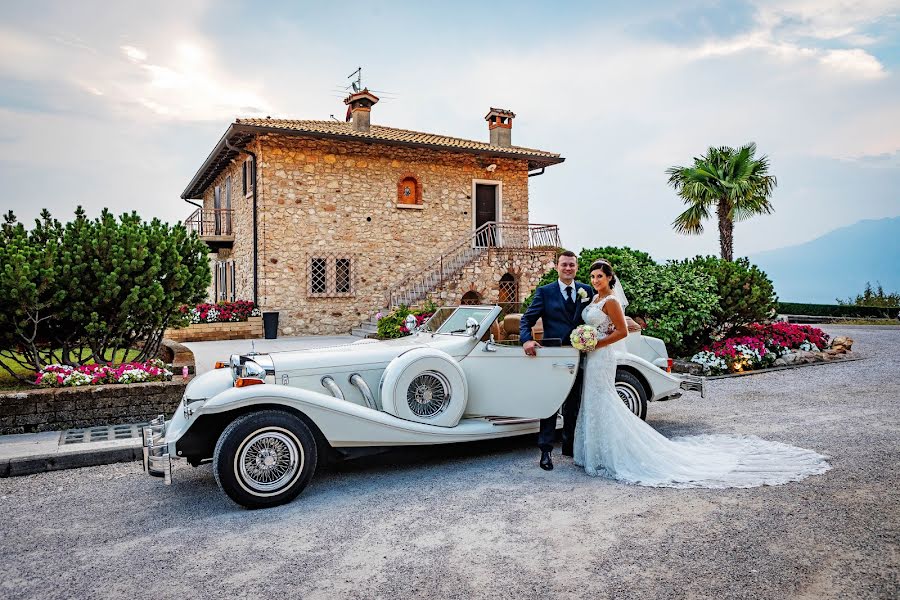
x=416 y=288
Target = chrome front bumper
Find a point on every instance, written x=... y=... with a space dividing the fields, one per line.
x=693 y=383
x=157 y=461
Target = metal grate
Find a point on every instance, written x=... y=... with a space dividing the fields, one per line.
x=318 y=276
x=330 y=276
x=103 y=433
x=342 y=275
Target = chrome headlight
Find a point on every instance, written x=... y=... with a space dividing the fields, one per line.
x=253 y=369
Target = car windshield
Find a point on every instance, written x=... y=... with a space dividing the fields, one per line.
x=453 y=320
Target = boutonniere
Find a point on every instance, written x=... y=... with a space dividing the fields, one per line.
x=582 y=293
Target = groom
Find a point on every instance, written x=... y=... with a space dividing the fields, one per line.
x=558 y=305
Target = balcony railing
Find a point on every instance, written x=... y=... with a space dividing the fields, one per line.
x=211 y=223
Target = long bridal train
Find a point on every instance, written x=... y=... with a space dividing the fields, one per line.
x=610 y=441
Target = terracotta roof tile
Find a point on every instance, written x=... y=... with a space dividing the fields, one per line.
x=242 y=130
x=378 y=133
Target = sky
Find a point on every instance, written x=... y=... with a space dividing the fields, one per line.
x=116 y=104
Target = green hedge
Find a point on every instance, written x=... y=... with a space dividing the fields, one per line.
x=836 y=310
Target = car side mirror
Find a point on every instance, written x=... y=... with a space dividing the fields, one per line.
x=471 y=326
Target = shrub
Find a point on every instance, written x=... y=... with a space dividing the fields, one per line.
x=835 y=310
x=746 y=295
x=873 y=297
x=76 y=293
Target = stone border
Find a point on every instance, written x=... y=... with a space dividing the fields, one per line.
x=54 y=409
x=785 y=367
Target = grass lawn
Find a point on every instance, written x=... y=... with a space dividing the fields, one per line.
x=8 y=382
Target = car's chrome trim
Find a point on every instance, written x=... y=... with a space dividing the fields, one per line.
x=329 y=384
x=693 y=383
x=360 y=383
x=156 y=457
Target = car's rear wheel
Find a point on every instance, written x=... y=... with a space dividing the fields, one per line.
x=265 y=458
x=632 y=392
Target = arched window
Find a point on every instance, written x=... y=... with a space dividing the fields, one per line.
x=471 y=298
x=409 y=190
x=508 y=289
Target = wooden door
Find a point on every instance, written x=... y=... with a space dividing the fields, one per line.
x=485 y=212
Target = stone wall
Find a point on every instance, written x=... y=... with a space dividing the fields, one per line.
x=482 y=276
x=204 y=332
x=338 y=199
x=53 y=409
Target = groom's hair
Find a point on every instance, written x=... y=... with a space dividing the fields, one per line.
x=566 y=253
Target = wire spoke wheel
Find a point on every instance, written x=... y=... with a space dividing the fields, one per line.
x=428 y=394
x=630 y=397
x=269 y=460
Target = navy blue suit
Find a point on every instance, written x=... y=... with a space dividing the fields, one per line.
x=549 y=305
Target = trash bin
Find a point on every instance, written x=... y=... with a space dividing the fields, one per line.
x=270 y=325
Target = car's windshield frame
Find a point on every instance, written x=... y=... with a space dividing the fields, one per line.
x=451 y=320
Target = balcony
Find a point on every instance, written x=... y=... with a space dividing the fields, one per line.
x=213 y=225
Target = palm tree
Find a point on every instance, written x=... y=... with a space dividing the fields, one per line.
x=734 y=181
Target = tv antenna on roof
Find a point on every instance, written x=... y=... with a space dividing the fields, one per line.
x=356 y=85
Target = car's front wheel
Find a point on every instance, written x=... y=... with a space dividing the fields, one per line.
x=632 y=392
x=265 y=458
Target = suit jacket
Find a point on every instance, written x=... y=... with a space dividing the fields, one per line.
x=550 y=306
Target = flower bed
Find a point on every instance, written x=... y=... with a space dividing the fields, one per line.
x=67 y=376
x=221 y=312
x=762 y=345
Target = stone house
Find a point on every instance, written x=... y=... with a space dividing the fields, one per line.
x=328 y=222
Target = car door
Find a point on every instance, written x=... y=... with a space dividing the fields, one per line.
x=504 y=382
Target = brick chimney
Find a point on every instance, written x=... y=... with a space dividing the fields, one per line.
x=359 y=107
x=500 y=126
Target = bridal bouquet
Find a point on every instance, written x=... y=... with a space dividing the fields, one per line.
x=584 y=338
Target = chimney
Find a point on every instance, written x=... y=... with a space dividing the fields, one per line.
x=500 y=126
x=359 y=107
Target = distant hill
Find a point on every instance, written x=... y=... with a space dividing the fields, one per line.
x=838 y=264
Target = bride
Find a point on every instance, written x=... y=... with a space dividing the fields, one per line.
x=611 y=441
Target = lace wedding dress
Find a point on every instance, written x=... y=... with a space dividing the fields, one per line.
x=611 y=441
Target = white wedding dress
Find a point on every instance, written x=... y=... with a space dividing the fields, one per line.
x=613 y=442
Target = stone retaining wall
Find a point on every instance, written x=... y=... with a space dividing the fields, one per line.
x=205 y=332
x=52 y=409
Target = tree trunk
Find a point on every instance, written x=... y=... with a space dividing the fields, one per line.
x=726 y=231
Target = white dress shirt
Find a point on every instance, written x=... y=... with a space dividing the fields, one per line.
x=563 y=286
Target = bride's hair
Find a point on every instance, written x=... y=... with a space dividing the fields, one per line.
x=604 y=266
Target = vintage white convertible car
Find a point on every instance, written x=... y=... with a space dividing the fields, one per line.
x=266 y=420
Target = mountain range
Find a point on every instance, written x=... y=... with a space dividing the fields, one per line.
x=837 y=264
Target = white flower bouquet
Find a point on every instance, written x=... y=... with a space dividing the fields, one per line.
x=584 y=338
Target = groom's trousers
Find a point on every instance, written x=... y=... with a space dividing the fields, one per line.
x=570 y=408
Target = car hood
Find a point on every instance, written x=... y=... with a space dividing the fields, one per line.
x=368 y=352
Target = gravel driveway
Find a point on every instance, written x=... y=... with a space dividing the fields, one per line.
x=484 y=521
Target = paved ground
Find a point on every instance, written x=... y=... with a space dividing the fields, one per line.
x=484 y=521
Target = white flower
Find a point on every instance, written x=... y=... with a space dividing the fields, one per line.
x=582 y=293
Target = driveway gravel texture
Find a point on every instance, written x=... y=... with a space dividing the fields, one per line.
x=483 y=521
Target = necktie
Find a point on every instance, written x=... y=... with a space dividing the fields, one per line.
x=570 y=302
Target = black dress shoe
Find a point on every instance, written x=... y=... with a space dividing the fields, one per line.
x=568 y=451
x=546 y=461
